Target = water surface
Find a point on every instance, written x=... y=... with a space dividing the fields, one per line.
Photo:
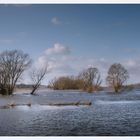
x=109 y=114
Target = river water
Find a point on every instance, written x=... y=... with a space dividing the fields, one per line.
x=110 y=114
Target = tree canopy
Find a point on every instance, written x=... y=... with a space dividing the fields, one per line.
x=117 y=76
x=12 y=64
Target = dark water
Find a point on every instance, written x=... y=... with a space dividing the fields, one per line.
x=109 y=114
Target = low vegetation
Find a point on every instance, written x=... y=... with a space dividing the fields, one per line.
x=65 y=83
x=88 y=80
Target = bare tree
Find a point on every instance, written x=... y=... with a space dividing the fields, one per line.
x=37 y=75
x=117 y=76
x=91 y=78
x=12 y=65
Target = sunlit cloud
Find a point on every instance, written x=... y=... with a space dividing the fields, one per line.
x=58 y=49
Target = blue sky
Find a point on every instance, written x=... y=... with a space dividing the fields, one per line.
x=70 y=38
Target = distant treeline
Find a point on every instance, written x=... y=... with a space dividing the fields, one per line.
x=28 y=86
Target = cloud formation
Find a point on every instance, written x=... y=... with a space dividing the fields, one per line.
x=58 y=49
x=61 y=62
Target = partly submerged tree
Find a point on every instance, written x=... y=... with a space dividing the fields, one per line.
x=91 y=78
x=117 y=76
x=12 y=64
x=37 y=75
x=88 y=80
x=65 y=82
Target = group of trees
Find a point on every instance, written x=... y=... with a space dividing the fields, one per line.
x=87 y=80
x=13 y=63
x=90 y=80
x=65 y=82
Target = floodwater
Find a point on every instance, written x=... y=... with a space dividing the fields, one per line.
x=110 y=114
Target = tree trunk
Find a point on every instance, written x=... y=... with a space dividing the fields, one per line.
x=117 y=89
x=34 y=89
x=4 y=91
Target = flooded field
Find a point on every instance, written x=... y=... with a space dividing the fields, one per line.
x=109 y=114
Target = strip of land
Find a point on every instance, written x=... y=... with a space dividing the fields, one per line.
x=12 y=105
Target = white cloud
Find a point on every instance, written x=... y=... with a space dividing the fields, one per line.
x=55 y=21
x=70 y=65
x=41 y=61
x=133 y=66
x=57 y=49
x=131 y=63
x=55 y=58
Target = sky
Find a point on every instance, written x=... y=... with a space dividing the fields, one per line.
x=72 y=37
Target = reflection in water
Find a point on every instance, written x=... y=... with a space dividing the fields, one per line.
x=109 y=114
x=44 y=107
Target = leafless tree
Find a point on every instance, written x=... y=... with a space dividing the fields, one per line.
x=91 y=78
x=117 y=76
x=37 y=75
x=12 y=64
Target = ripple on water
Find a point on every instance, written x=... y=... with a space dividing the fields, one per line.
x=118 y=102
x=45 y=107
x=108 y=115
